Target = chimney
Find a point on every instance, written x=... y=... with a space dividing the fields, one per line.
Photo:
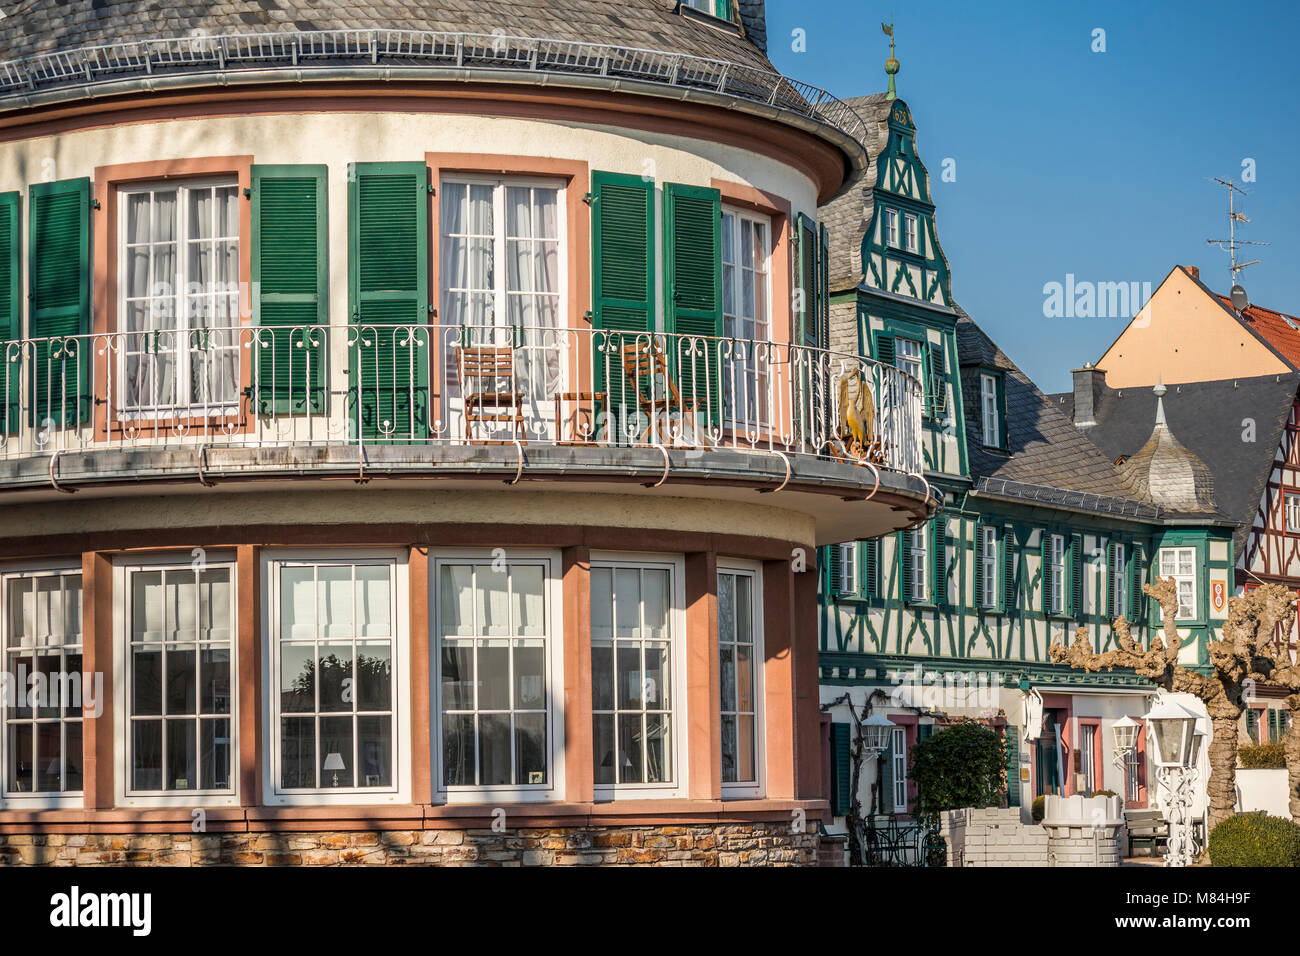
x=1088 y=383
x=753 y=16
x=1193 y=271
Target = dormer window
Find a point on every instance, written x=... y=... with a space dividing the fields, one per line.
x=891 y=228
x=714 y=8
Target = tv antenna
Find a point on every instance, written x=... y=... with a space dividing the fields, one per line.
x=1232 y=243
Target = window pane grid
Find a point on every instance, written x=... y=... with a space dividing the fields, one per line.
x=179 y=709
x=337 y=719
x=738 y=665
x=42 y=634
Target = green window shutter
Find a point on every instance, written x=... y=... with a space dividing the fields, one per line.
x=1137 y=568
x=388 y=299
x=939 y=559
x=978 y=578
x=841 y=769
x=1252 y=724
x=924 y=732
x=1274 y=734
x=1044 y=557
x=11 y=308
x=1110 y=581
x=806 y=266
x=905 y=565
x=833 y=568
x=693 y=293
x=1007 y=542
x=1076 y=576
x=936 y=391
x=884 y=349
x=871 y=568
x=824 y=288
x=58 y=276
x=622 y=239
x=290 y=287
x=1013 y=766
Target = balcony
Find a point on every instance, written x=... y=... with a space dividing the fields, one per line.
x=222 y=404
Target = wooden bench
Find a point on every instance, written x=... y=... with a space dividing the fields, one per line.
x=1147 y=828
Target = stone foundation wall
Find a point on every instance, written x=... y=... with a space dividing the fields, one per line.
x=751 y=844
x=998 y=838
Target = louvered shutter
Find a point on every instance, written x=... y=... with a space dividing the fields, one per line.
x=1045 y=564
x=1007 y=542
x=290 y=288
x=871 y=568
x=905 y=565
x=936 y=398
x=388 y=300
x=622 y=247
x=1077 y=561
x=884 y=349
x=11 y=308
x=1137 y=568
x=823 y=287
x=842 y=770
x=978 y=578
x=939 y=559
x=834 y=568
x=1252 y=724
x=806 y=316
x=1274 y=735
x=693 y=303
x=59 y=291
x=1013 y=766
x=1111 y=554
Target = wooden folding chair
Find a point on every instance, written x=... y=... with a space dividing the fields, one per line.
x=646 y=376
x=492 y=395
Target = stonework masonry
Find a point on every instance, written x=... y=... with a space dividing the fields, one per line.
x=996 y=837
x=750 y=844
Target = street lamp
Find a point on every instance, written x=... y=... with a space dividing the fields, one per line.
x=1173 y=742
x=875 y=734
x=1125 y=734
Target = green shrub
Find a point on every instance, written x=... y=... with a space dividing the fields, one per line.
x=1262 y=756
x=963 y=765
x=1039 y=808
x=1254 y=839
x=1104 y=793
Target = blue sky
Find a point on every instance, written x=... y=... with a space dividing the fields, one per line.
x=1070 y=161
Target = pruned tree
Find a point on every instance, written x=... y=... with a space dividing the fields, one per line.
x=1246 y=652
x=853 y=819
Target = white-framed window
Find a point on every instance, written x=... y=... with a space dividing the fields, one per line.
x=502 y=269
x=908 y=357
x=989 y=410
x=176 y=652
x=740 y=660
x=848 y=582
x=178 y=289
x=637 y=676
x=1180 y=564
x=891 y=227
x=988 y=569
x=1292 y=513
x=1055 y=576
x=42 y=741
x=919 y=559
x=909 y=232
x=898 y=756
x=714 y=8
x=1119 y=579
x=336 y=658
x=499 y=717
x=747 y=314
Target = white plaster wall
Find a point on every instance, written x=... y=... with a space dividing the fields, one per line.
x=1263 y=790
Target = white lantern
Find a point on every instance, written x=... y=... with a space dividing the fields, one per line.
x=875 y=733
x=1173 y=732
x=1125 y=731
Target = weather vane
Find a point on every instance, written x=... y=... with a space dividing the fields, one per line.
x=891 y=65
x=1232 y=243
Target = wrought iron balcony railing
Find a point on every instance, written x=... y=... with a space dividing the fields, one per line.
x=391 y=385
x=432 y=53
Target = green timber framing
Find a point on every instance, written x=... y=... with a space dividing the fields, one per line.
x=875 y=628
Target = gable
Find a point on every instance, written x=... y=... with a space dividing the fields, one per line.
x=1185 y=334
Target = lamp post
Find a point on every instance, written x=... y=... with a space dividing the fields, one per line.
x=875 y=741
x=1173 y=742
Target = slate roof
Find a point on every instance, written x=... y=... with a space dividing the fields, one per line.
x=1208 y=419
x=43 y=26
x=1044 y=447
x=849 y=217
